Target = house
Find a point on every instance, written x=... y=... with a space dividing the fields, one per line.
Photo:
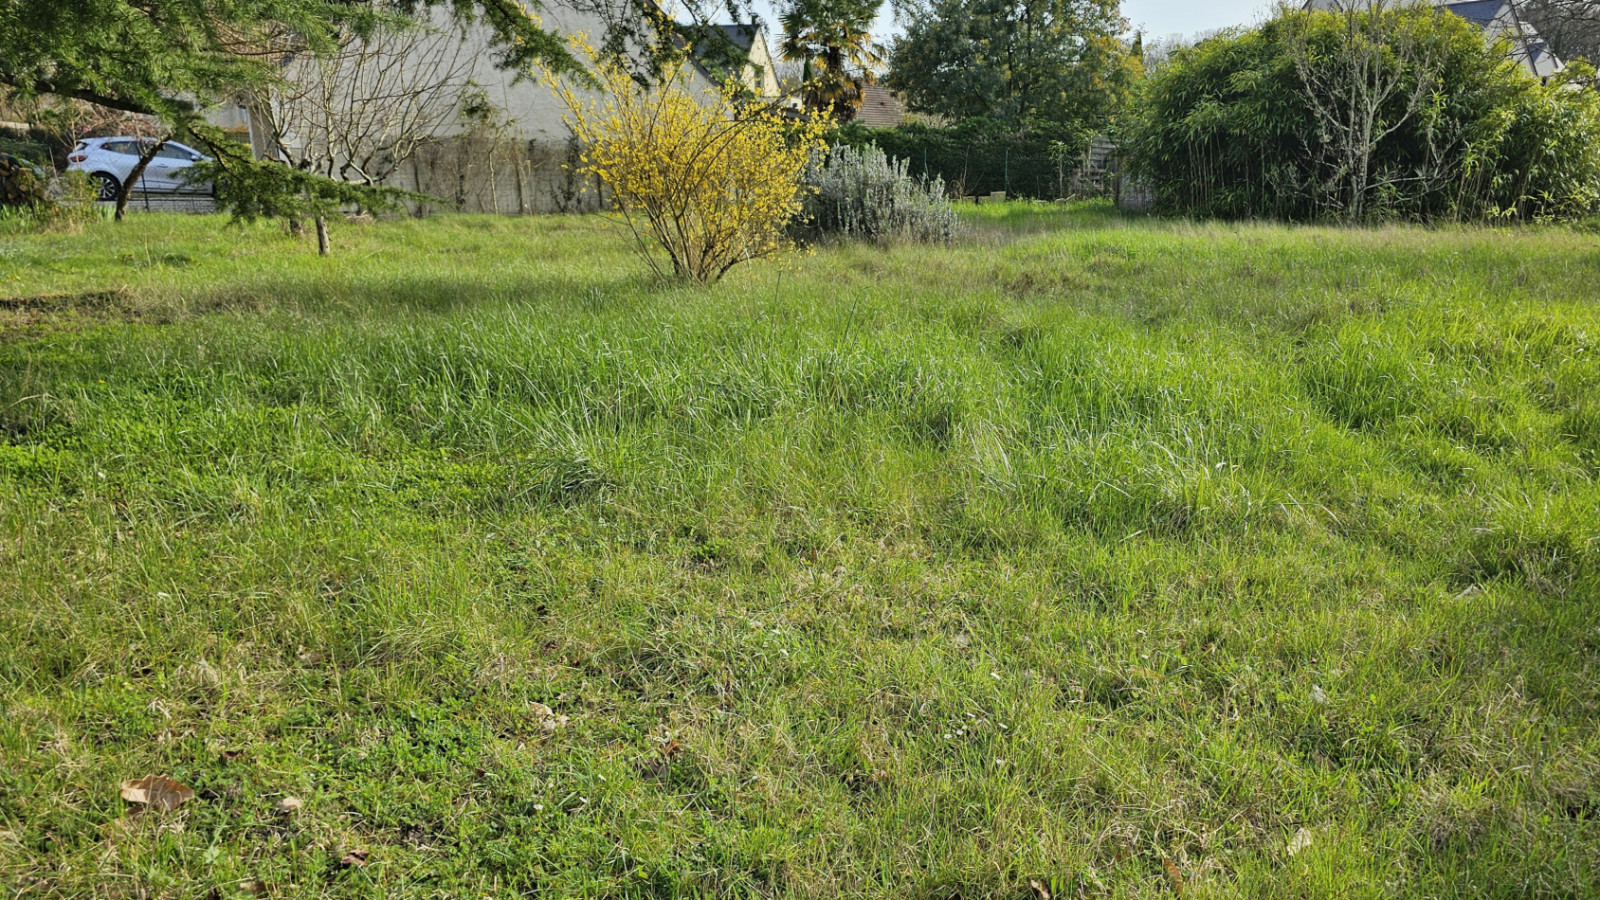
x=1497 y=18
x=740 y=50
x=479 y=137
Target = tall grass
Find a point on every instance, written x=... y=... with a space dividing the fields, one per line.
x=1109 y=554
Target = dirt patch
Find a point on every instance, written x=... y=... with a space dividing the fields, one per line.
x=27 y=316
x=83 y=300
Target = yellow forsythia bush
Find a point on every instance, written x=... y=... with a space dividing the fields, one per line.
x=710 y=181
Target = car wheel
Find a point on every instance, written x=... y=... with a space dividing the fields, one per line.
x=107 y=185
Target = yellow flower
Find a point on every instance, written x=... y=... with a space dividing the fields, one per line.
x=698 y=176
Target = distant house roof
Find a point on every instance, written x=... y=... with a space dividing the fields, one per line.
x=729 y=49
x=1497 y=18
x=1479 y=12
x=880 y=108
x=741 y=36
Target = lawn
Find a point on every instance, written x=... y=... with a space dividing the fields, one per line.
x=1092 y=556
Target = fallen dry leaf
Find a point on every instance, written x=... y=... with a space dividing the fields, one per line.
x=355 y=858
x=1039 y=890
x=288 y=804
x=1174 y=877
x=1300 y=841
x=548 y=720
x=156 y=792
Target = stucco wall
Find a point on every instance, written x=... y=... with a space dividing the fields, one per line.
x=516 y=166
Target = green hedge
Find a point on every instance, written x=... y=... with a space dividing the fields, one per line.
x=1249 y=125
x=974 y=157
x=32 y=151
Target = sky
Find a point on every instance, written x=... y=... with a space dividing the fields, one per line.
x=1157 y=19
x=1161 y=18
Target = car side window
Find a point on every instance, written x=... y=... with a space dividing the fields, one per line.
x=176 y=151
x=124 y=147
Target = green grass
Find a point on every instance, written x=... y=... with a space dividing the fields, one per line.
x=1088 y=551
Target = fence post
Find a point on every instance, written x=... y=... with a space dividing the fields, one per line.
x=1008 y=173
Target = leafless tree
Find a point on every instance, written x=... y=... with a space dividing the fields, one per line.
x=790 y=74
x=71 y=121
x=1375 y=79
x=362 y=112
x=1572 y=27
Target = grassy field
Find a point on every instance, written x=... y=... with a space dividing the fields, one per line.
x=1096 y=557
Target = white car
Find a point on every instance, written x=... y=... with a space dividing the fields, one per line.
x=110 y=160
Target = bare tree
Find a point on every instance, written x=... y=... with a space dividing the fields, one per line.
x=1572 y=27
x=1374 y=79
x=791 y=75
x=70 y=121
x=362 y=112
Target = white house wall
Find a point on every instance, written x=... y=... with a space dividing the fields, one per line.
x=536 y=113
x=520 y=167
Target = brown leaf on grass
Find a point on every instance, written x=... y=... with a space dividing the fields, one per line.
x=548 y=720
x=670 y=748
x=355 y=858
x=156 y=792
x=288 y=805
x=1300 y=841
x=1174 y=877
x=1039 y=890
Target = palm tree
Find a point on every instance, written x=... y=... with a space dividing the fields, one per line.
x=833 y=39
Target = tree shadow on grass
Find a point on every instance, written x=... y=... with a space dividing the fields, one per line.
x=442 y=295
x=29 y=318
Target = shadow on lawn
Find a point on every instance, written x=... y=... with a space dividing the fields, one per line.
x=23 y=318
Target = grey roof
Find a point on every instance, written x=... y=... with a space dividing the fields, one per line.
x=1479 y=12
x=880 y=108
x=1497 y=18
x=741 y=36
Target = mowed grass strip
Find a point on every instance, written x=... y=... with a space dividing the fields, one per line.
x=1124 y=557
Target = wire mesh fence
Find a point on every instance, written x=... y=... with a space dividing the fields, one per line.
x=982 y=165
x=167 y=201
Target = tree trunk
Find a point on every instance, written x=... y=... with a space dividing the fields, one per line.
x=322 y=236
x=137 y=173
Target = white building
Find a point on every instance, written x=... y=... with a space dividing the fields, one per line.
x=491 y=139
